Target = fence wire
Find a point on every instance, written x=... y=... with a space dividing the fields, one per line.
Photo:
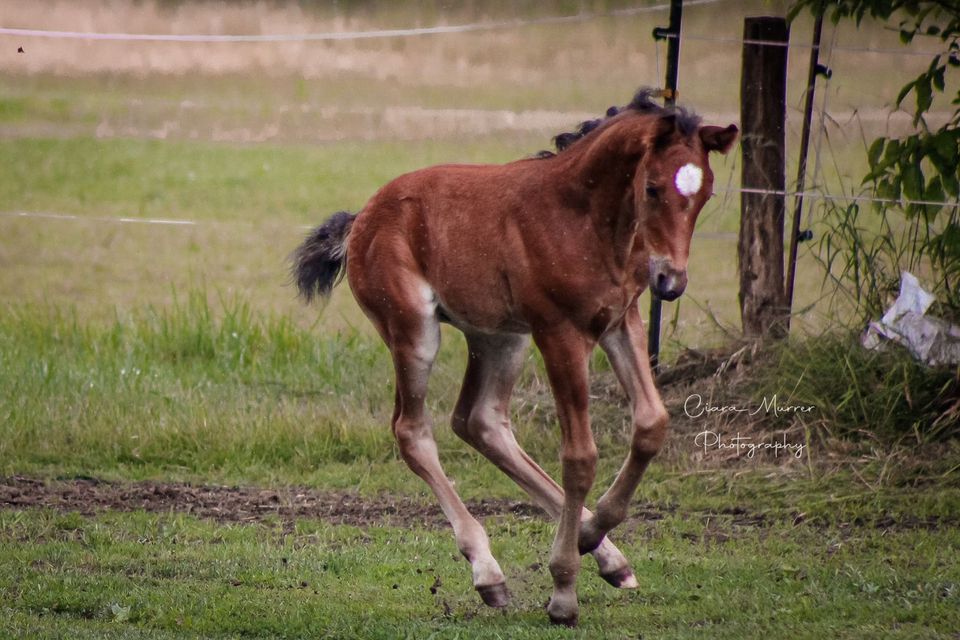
x=344 y=35
x=476 y=27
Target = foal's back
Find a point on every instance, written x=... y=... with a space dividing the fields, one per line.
x=459 y=239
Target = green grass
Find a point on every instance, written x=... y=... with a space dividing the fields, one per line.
x=220 y=182
x=139 y=575
x=208 y=389
x=885 y=394
x=180 y=389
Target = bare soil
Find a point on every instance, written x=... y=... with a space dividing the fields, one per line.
x=89 y=496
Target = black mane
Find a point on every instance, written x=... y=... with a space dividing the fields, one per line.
x=687 y=121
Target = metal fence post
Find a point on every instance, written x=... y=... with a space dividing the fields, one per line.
x=672 y=34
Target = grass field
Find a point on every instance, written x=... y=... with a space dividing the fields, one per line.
x=155 y=363
x=158 y=576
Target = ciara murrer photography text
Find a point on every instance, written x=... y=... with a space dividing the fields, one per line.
x=695 y=406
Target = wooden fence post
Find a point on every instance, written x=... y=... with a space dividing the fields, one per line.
x=763 y=104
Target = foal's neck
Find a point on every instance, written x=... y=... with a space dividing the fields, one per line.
x=599 y=173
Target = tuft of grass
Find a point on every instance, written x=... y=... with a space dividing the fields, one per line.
x=883 y=396
x=864 y=251
x=194 y=386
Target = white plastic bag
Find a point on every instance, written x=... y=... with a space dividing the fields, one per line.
x=931 y=340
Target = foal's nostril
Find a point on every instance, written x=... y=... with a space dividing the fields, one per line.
x=669 y=294
x=669 y=284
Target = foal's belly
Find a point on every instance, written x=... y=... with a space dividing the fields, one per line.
x=482 y=325
x=479 y=311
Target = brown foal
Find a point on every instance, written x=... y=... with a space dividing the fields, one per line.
x=559 y=247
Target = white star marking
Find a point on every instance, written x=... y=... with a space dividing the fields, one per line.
x=689 y=179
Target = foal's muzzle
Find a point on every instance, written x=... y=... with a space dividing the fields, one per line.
x=665 y=281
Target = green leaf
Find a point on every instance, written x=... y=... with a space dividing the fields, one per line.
x=873 y=154
x=924 y=97
x=946 y=146
x=942 y=150
x=934 y=190
x=949 y=242
x=889 y=188
x=892 y=152
x=897 y=186
x=885 y=191
x=934 y=193
x=912 y=181
x=904 y=91
x=938 y=79
x=951 y=184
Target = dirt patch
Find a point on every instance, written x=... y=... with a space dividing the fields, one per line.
x=89 y=496
x=239 y=504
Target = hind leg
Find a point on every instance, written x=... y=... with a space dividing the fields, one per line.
x=413 y=337
x=482 y=419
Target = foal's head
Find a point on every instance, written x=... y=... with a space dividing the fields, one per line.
x=671 y=184
x=672 y=180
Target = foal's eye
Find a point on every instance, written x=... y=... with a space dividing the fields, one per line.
x=652 y=192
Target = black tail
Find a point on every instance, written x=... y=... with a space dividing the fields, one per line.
x=317 y=264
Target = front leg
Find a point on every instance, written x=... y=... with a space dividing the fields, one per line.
x=626 y=348
x=566 y=354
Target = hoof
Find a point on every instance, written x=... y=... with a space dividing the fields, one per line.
x=494 y=595
x=561 y=615
x=565 y=621
x=621 y=579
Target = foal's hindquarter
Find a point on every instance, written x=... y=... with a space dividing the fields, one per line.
x=557 y=248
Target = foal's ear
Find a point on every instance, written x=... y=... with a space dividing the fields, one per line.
x=663 y=129
x=718 y=138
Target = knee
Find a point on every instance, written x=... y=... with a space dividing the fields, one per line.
x=583 y=458
x=415 y=441
x=468 y=425
x=408 y=432
x=649 y=432
x=579 y=468
x=483 y=428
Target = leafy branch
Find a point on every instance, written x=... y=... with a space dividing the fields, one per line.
x=919 y=170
